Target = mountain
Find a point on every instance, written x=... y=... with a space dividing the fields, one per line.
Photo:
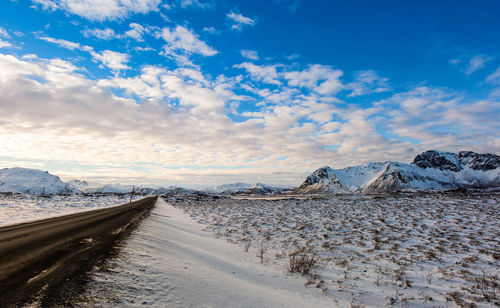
x=31 y=181
x=95 y=188
x=229 y=188
x=110 y=189
x=246 y=189
x=430 y=170
x=263 y=189
x=83 y=186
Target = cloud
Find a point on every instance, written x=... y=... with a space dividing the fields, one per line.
x=319 y=78
x=211 y=30
x=93 y=126
x=116 y=61
x=147 y=48
x=101 y=10
x=4 y=34
x=291 y=5
x=102 y=34
x=186 y=41
x=197 y=4
x=249 y=54
x=367 y=82
x=440 y=118
x=177 y=122
x=136 y=32
x=265 y=73
x=113 y=60
x=65 y=44
x=239 y=20
x=494 y=78
x=4 y=44
x=476 y=63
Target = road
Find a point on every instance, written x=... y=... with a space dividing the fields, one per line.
x=47 y=260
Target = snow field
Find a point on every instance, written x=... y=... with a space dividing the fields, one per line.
x=412 y=250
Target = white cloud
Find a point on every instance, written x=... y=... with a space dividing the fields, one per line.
x=249 y=54
x=265 y=73
x=476 y=63
x=494 y=77
x=113 y=60
x=147 y=48
x=4 y=34
x=136 y=32
x=101 y=10
x=319 y=78
x=367 y=82
x=186 y=41
x=180 y=117
x=197 y=4
x=211 y=30
x=4 y=44
x=438 y=118
x=102 y=34
x=66 y=44
x=239 y=20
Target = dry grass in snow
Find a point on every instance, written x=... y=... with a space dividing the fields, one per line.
x=417 y=250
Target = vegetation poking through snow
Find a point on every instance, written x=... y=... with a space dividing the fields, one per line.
x=406 y=249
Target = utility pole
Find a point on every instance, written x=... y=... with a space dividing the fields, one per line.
x=132 y=194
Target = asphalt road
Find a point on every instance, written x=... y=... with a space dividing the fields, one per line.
x=47 y=261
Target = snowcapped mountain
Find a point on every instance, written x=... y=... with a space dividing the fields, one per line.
x=96 y=188
x=246 y=189
x=31 y=181
x=431 y=170
x=229 y=188
x=83 y=186
x=110 y=189
x=263 y=189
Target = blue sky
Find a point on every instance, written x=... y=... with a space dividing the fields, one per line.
x=193 y=92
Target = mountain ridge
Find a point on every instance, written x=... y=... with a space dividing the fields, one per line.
x=430 y=170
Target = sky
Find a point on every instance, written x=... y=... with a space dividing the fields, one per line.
x=205 y=92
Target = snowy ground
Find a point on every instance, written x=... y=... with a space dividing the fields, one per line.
x=21 y=208
x=170 y=262
x=415 y=250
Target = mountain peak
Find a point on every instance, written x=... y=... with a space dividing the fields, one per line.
x=430 y=170
x=456 y=162
x=32 y=181
x=437 y=160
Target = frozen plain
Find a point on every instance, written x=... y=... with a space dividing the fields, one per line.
x=411 y=250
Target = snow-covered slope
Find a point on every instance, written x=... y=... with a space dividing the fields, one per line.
x=350 y=179
x=263 y=189
x=246 y=189
x=229 y=188
x=431 y=170
x=82 y=185
x=95 y=188
x=31 y=181
x=111 y=188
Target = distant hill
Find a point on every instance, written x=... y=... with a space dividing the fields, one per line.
x=246 y=189
x=32 y=181
x=430 y=170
